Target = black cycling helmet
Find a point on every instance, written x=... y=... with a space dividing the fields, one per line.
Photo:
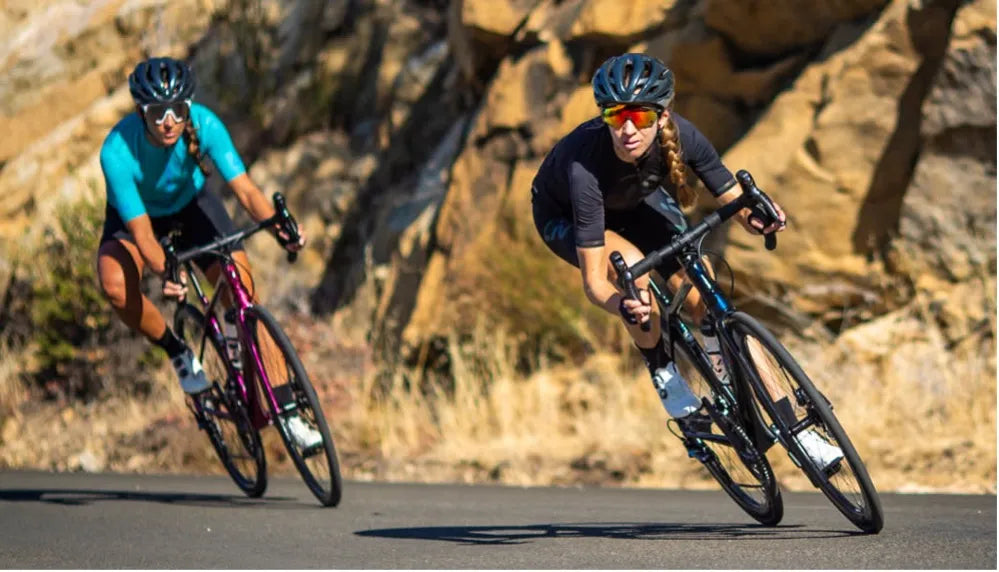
x=633 y=78
x=161 y=80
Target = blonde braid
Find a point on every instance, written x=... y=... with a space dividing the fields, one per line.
x=669 y=140
x=194 y=148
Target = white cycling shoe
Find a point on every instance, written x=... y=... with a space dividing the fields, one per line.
x=302 y=433
x=189 y=371
x=824 y=455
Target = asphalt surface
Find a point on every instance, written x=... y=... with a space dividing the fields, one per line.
x=131 y=521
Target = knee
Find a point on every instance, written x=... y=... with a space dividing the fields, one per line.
x=114 y=287
x=118 y=274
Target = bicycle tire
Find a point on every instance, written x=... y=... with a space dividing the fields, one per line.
x=234 y=438
x=327 y=489
x=732 y=459
x=848 y=487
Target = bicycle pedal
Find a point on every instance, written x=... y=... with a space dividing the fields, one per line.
x=312 y=451
x=696 y=450
x=833 y=468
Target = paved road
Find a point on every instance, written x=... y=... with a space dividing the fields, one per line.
x=125 y=521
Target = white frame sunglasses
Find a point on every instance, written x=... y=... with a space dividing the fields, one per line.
x=169 y=109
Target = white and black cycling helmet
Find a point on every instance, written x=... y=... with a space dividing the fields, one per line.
x=161 y=80
x=633 y=79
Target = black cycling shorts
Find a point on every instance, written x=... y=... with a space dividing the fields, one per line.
x=200 y=222
x=642 y=226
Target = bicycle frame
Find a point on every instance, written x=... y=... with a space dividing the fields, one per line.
x=719 y=309
x=677 y=332
x=230 y=280
x=241 y=301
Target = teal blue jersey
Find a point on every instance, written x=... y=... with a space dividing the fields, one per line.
x=142 y=178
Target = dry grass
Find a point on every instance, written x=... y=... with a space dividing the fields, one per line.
x=923 y=417
x=599 y=423
x=12 y=389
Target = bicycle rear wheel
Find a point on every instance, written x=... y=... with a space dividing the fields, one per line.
x=800 y=406
x=223 y=417
x=728 y=453
x=317 y=464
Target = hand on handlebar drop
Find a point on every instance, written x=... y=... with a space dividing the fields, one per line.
x=757 y=225
x=172 y=289
x=285 y=240
x=636 y=311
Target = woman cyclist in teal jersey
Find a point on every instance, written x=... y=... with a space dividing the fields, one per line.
x=155 y=162
x=618 y=182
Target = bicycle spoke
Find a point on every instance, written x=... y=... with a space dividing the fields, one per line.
x=229 y=429
x=744 y=474
x=298 y=414
x=808 y=424
x=780 y=382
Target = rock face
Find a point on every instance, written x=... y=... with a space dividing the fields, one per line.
x=407 y=133
x=840 y=147
x=872 y=171
x=769 y=28
x=64 y=64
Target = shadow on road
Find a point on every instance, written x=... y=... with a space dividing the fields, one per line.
x=82 y=497
x=657 y=531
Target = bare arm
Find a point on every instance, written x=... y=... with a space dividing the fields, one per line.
x=599 y=290
x=141 y=229
x=256 y=203
x=252 y=198
x=593 y=264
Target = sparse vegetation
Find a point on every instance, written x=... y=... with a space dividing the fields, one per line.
x=64 y=323
x=921 y=418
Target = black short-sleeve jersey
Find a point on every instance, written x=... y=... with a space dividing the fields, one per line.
x=583 y=178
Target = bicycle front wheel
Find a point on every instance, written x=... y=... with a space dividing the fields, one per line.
x=794 y=405
x=317 y=463
x=728 y=453
x=223 y=416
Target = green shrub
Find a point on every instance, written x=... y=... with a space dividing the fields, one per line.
x=81 y=346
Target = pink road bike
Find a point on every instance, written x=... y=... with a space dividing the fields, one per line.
x=256 y=376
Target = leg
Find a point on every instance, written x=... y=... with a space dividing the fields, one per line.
x=556 y=231
x=270 y=354
x=693 y=303
x=119 y=270
x=613 y=241
x=214 y=271
x=676 y=396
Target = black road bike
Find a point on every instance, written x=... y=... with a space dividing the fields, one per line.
x=768 y=397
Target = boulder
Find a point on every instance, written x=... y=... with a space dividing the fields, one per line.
x=774 y=27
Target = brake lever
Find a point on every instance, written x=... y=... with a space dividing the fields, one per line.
x=626 y=281
x=288 y=223
x=171 y=269
x=762 y=208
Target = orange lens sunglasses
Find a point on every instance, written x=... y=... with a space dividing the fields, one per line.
x=641 y=117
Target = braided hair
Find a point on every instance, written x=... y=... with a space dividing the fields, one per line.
x=669 y=140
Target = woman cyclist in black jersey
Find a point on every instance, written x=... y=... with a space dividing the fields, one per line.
x=618 y=183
